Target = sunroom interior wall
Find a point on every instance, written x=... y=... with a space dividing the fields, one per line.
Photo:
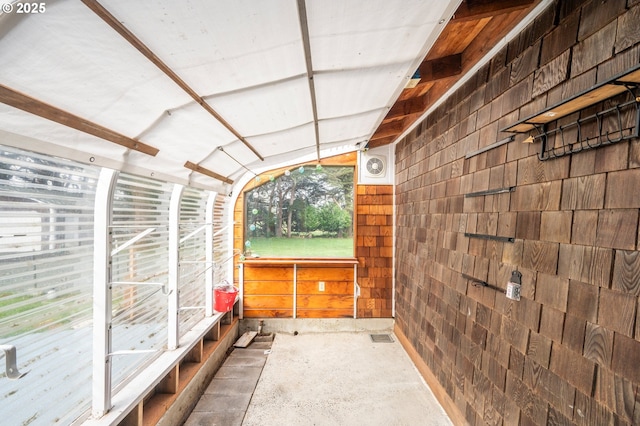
x=569 y=351
x=46 y=269
x=139 y=310
x=192 y=258
x=222 y=252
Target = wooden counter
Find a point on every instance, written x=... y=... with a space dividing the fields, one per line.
x=298 y=287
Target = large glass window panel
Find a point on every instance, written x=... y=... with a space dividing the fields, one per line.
x=192 y=258
x=222 y=254
x=46 y=283
x=139 y=272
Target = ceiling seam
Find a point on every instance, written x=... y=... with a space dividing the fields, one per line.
x=108 y=18
x=304 y=29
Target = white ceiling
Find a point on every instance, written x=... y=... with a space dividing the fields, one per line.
x=247 y=59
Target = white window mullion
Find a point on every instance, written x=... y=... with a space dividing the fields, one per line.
x=102 y=293
x=210 y=265
x=174 y=267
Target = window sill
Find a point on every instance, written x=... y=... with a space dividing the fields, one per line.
x=300 y=261
x=136 y=392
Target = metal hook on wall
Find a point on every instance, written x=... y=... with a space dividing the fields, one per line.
x=11 y=360
x=163 y=286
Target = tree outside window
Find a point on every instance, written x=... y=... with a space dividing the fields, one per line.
x=305 y=212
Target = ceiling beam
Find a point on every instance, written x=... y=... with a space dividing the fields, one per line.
x=107 y=17
x=34 y=106
x=199 y=169
x=408 y=107
x=439 y=68
x=304 y=29
x=391 y=128
x=478 y=9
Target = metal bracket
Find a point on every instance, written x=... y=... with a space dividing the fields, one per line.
x=165 y=291
x=132 y=241
x=490 y=237
x=193 y=233
x=11 y=360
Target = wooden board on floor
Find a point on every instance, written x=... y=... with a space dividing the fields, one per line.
x=245 y=340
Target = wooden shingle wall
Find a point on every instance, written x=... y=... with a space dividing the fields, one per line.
x=569 y=351
x=374 y=250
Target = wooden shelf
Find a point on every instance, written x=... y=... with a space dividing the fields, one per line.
x=598 y=93
x=316 y=261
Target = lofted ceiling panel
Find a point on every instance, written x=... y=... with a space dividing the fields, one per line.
x=187 y=133
x=349 y=129
x=367 y=34
x=299 y=138
x=346 y=93
x=68 y=58
x=219 y=46
x=260 y=110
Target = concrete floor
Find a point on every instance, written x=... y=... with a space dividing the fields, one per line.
x=325 y=379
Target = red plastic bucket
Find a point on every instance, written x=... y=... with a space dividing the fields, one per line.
x=223 y=299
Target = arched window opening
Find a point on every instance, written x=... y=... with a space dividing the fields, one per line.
x=303 y=212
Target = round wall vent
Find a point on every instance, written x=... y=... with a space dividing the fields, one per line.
x=375 y=166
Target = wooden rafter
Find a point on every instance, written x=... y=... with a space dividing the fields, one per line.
x=484 y=22
x=390 y=128
x=34 y=106
x=437 y=69
x=202 y=170
x=407 y=107
x=477 y=9
x=106 y=16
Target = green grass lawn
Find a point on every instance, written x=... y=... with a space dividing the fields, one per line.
x=302 y=247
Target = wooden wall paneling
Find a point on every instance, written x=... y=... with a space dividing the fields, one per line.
x=336 y=300
x=268 y=291
x=571 y=342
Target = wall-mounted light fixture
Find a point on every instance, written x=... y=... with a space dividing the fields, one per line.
x=514 y=285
